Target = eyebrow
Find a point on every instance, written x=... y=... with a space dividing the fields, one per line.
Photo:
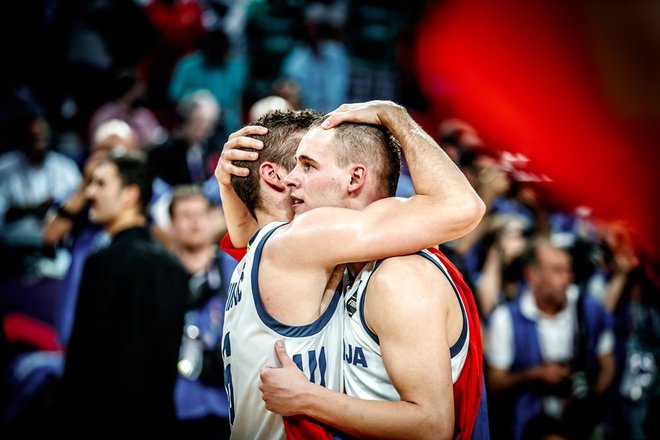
x=306 y=158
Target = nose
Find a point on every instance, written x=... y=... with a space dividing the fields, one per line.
x=291 y=179
x=89 y=191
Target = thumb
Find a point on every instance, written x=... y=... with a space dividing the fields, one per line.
x=282 y=356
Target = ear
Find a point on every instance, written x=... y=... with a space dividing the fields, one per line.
x=530 y=274
x=273 y=176
x=358 y=178
x=131 y=195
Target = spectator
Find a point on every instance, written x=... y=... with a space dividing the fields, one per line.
x=70 y=227
x=457 y=136
x=265 y=105
x=372 y=38
x=120 y=368
x=201 y=401
x=269 y=36
x=550 y=345
x=214 y=68
x=128 y=104
x=180 y=28
x=319 y=65
x=184 y=157
x=501 y=276
x=104 y=36
x=632 y=293
x=32 y=178
x=188 y=157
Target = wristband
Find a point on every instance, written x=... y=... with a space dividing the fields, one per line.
x=62 y=212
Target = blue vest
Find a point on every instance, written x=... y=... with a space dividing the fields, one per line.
x=593 y=320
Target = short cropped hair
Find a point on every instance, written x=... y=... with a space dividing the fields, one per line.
x=530 y=256
x=374 y=146
x=184 y=192
x=198 y=99
x=285 y=130
x=133 y=169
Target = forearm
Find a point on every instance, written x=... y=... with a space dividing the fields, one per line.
x=218 y=224
x=605 y=374
x=438 y=182
x=502 y=380
x=614 y=290
x=56 y=229
x=58 y=226
x=490 y=284
x=240 y=223
x=373 y=419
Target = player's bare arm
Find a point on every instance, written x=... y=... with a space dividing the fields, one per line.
x=240 y=223
x=445 y=206
x=414 y=339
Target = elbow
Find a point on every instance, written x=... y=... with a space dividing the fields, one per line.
x=479 y=210
x=474 y=211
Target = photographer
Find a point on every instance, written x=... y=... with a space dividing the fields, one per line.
x=199 y=395
x=549 y=352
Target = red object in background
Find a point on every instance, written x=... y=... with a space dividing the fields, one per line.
x=20 y=328
x=543 y=79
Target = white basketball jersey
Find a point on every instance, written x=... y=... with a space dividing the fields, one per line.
x=364 y=372
x=249 y=335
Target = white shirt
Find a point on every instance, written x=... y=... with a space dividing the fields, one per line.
x=556 y=333
x=23 y=184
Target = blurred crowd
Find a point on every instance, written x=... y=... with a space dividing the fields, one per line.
x=172 y=79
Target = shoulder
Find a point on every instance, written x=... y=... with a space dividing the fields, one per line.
x=62 y=161
x=408 y=269
x=9 y=160
x=104 y=260
x=595 y=311
x=500 y=318
x=408 y=289
x=411 y=281
x=304 y=230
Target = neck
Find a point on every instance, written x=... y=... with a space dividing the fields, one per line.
x=277 y=213
x=195 y=258
x=550 y=308
x=355 y=268
x=125 y=222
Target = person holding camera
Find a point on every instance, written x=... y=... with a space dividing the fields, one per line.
x=549 y=351
x=200 y=397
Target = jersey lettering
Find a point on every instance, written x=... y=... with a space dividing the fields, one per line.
x=234 y=294
x=229 y=385
x=313 y=363
x=355 y=356
x=226 y=345
x=229 y=389
x=248 y=324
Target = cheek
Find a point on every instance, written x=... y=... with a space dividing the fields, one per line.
x=320 y=191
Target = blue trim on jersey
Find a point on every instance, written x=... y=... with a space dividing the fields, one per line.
x=254 y=237
x=455 y=349
x=366 y=328
x=272 y=323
